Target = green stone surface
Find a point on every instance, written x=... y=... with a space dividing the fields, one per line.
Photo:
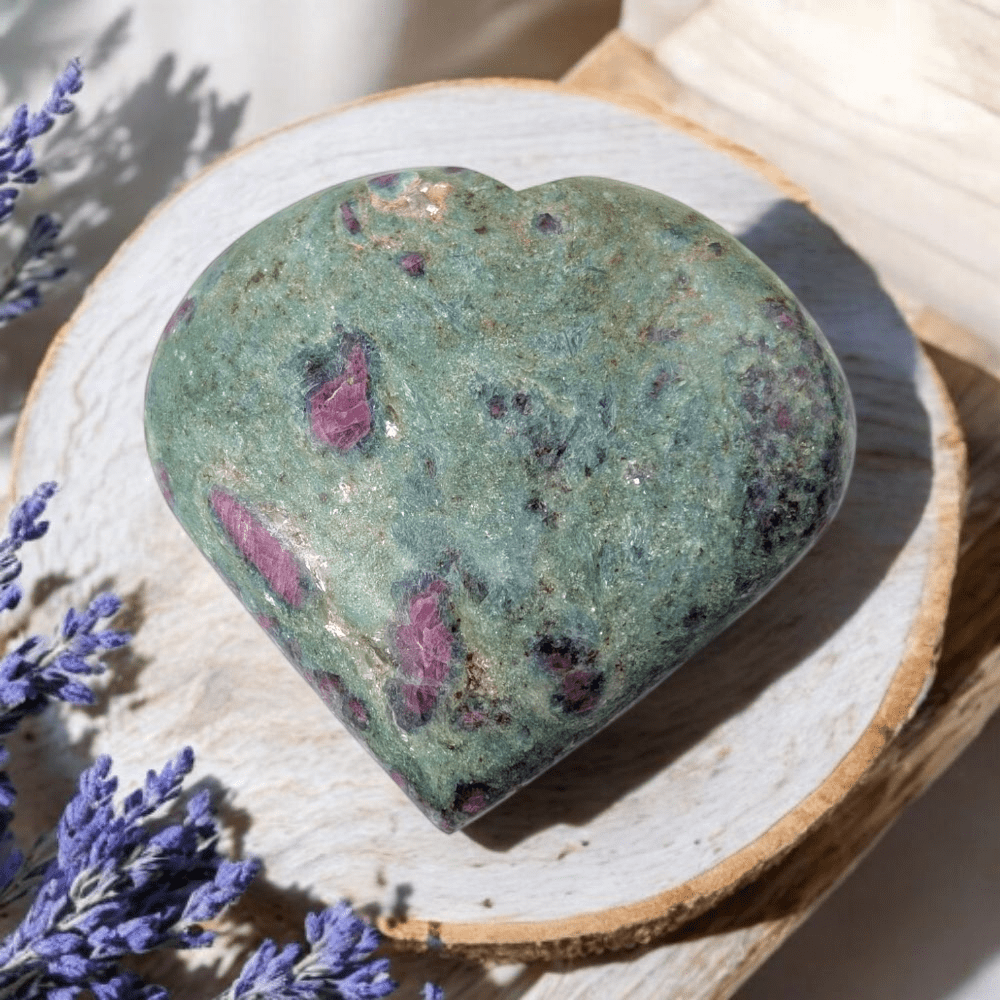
x=488 y=465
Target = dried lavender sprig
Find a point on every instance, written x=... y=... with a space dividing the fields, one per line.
x=16 y=155
x=30 y=268
x=126 y=880
x=69 y=82
x=23 y=525
x=338 y=963
x=22 y=278
x=128 y=986
x=39 y=670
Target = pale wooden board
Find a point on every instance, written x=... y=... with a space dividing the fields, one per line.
x=711 y=778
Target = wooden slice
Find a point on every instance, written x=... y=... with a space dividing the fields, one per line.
x=711 y=778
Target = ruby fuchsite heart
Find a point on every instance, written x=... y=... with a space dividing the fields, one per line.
x=488 y=465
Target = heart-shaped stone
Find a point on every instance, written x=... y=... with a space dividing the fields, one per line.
x=488 y=465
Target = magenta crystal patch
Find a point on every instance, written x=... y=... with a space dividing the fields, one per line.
x=425 y=647
x=412 y=264
x=259 y=547
x=350 y=220
x=182 y=314
x=339 y=414
x=163 y=481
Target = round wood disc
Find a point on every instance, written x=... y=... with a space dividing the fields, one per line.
x=714 y=775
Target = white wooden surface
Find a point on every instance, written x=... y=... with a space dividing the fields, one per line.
x=713 y=776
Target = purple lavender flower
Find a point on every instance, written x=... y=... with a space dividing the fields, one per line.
x=128 y=986
x=21 y=279
x=125 y=879
x=16 y=155
x=338 y=959
x=22 y=526
x=39 y=670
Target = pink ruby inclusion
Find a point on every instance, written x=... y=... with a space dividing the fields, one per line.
x=474 y=803
x=358 y=710
x=338 y=411
x=275 y=563
x=425 y=650
x=163 y=481
x=182 y=313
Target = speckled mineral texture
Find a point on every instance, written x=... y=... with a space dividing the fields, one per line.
x=488 y=465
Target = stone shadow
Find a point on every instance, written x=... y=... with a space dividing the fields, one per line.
x=927 y=891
